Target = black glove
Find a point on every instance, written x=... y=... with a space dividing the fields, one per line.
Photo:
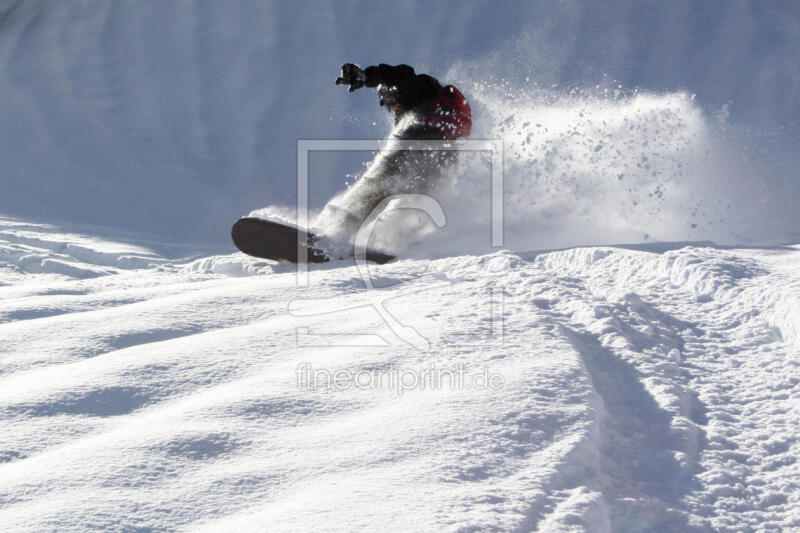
x=351 y=75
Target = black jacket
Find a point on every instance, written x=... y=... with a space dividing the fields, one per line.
x=401 y=85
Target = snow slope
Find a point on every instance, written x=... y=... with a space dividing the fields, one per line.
x=601 y=389
x=173 y=119
x=649 y=387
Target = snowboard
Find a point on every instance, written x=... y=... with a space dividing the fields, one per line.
x=272 y=240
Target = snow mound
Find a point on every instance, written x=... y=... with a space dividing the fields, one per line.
x=592 y=389
x=230 y=265
x=42 y=248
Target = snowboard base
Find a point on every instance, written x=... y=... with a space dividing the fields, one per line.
x=272 y=240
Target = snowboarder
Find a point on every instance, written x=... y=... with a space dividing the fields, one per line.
x=423 y=110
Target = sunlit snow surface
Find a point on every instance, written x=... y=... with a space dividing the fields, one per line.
x=640 y=389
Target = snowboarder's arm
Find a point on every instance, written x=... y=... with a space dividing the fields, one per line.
x=405 y=87
x=400 y=76
x=413 y=89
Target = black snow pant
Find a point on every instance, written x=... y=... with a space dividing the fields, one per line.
x=392 y=172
